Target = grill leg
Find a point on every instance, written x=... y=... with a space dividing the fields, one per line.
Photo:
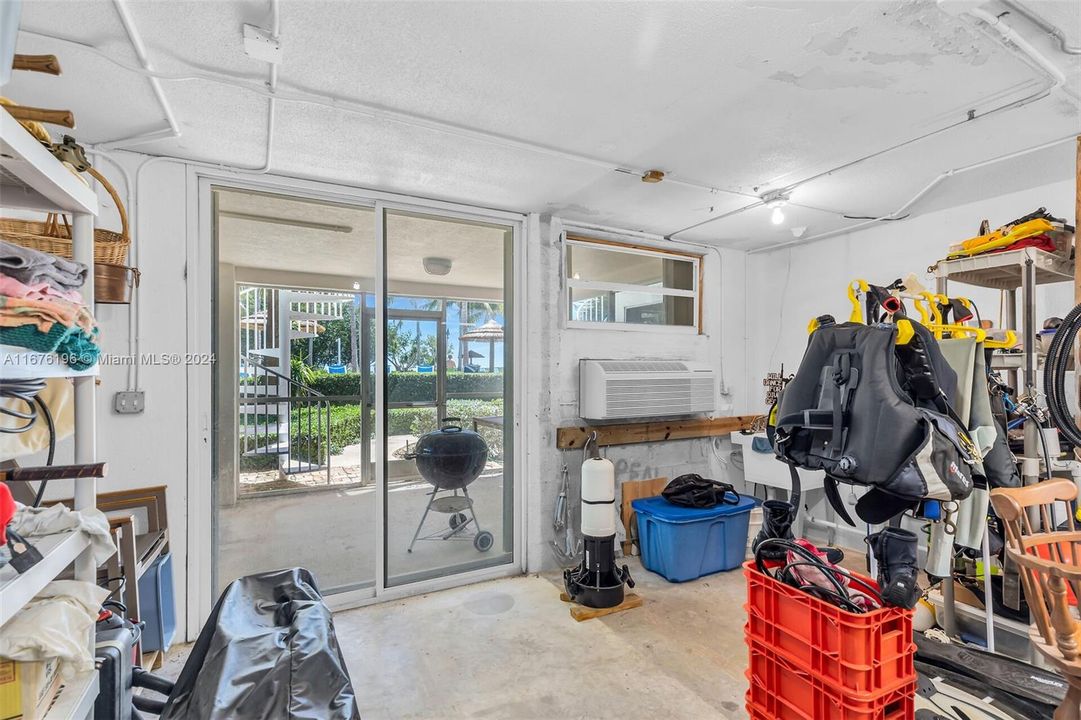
x=431 y=499
x=475 y=523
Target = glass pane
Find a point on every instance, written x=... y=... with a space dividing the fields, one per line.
x=643 y=308
x=447 y=344
x=612 y=265
x=412 y=345
x=294 y=389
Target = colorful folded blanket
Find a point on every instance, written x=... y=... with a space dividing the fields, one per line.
x=79 y=350
x=18 y=311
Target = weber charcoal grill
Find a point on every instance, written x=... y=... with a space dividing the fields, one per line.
x=450 y=459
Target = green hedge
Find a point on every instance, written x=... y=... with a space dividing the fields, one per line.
x=345 y=428
x=411 y=386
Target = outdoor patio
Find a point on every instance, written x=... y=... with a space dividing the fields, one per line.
x=331 y=532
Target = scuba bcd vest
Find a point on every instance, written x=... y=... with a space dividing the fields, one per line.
x=871 y=412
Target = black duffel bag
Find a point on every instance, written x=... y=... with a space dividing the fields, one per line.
x=693 y=490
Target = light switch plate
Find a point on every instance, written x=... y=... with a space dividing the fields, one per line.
x=131 y=402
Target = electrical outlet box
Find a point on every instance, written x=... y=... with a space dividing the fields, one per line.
x=259 y=44
x=131 y=402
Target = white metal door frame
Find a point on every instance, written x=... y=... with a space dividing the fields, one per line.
x=201 y=271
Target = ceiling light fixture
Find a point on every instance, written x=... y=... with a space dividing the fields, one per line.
x=775 y=199
x=652 y=176
x=437 y=265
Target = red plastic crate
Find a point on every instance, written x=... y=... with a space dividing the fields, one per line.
x=862 y=654
x=781 y=690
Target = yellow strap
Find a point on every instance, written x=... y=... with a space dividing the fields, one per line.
x=940 y=329
x=925 y=319
x=905 y=331
x=854 y=288
x=1005 y=344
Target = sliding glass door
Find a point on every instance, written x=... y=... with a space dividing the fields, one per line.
x=449 y=491
x=351 y=338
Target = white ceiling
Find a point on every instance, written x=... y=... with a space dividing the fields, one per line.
x=739 y=96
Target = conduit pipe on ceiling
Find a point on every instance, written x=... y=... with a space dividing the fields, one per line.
x=1044 y=25
x=917 y=197
x=133 y=186
x=173 y=127
x=1028 y=49
x=375 y=112
x=1057 y=81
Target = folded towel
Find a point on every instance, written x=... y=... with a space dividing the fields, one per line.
x=30 y=267
x=39 y=291
x=56 y=310
x=76 y=348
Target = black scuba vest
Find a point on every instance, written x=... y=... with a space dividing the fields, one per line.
x=869 y=412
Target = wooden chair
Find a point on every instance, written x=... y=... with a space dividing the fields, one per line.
x=1049 y=561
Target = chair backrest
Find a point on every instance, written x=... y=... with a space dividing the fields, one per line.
x=1049 y=558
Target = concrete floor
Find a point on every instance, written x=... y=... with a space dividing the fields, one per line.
x=508 y=649
x=332 y=533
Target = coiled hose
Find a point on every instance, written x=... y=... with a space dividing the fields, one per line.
x=1054 y=377
x=26 y=392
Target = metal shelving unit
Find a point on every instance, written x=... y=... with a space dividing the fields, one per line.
x=32 y=179
x=1009 y=272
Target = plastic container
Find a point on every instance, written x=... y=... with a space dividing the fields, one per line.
x=681 y=543
x=157 y=605
x=858 y=655
x=782 y=690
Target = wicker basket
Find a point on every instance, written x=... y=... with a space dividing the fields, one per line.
x=53 y=235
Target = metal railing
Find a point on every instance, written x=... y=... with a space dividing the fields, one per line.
x=281 y=417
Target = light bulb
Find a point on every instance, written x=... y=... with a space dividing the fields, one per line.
x=777 y=217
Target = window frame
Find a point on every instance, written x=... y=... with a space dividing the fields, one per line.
x=616 y=246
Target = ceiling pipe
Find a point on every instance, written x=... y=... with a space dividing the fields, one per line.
x=895 y=215
x=1057 y=81
x=1027 y=49
x=173 y=127
x=376 y=112
x=1044 y=25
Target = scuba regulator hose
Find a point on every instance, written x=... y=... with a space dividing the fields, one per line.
x=1054 y=376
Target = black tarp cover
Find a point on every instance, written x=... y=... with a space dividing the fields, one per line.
x=268 y=652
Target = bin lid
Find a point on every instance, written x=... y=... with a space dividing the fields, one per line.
x=660 y=508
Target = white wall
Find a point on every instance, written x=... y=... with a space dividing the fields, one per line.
x=150 y=448
x=553 y=376
x=797 y=283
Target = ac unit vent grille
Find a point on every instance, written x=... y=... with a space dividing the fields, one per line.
x=635 y=366
x=658 y=396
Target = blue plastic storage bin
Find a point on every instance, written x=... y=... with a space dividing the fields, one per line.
x=682 y=543
x=158 y=605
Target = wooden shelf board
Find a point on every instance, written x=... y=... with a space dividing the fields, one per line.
x=628 y=433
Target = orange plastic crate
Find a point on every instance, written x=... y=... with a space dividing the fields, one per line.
x=781 y=690
x=863 y=655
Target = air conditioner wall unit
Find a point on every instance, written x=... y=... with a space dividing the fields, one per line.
x=623 y=389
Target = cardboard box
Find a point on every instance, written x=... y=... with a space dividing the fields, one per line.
x=27 y=689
